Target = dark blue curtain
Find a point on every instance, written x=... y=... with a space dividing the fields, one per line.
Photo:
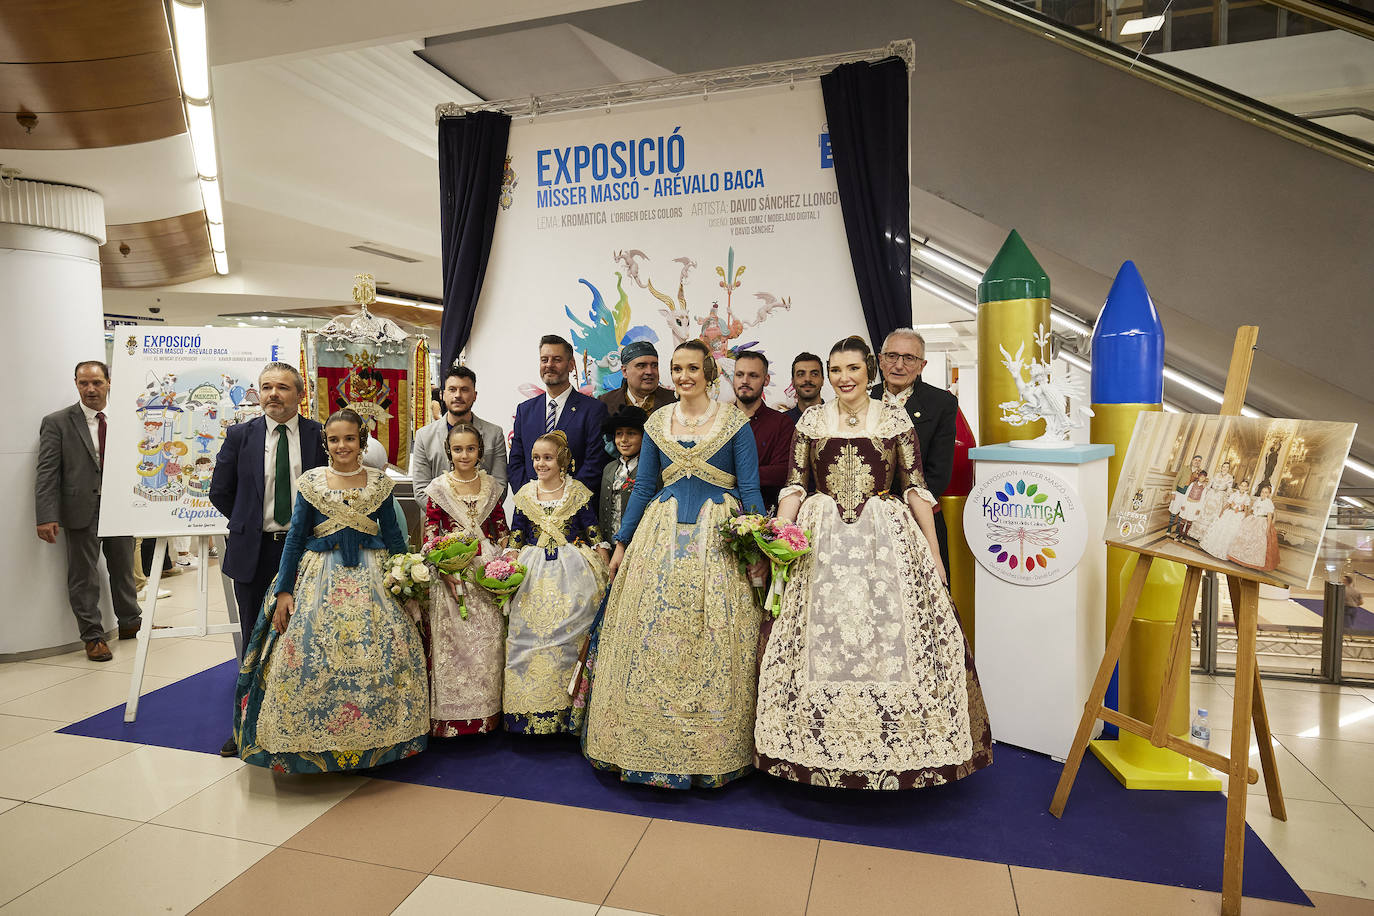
x=472 y=159
x=866 y=107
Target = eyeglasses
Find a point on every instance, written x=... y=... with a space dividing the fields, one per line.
x=906 y=359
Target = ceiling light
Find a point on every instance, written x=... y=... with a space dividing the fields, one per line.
x=941 y=292
x=370 y=248
x=946 y=264
x=200 y=121
x=222 y=267
x=1178 y=378
x=1143 y=25
x=397 y=300
x=214 y=207
x=1359 y=467
x=217 y=236
x=193 y=62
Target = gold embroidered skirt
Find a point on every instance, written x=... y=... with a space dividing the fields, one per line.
x=673 y=697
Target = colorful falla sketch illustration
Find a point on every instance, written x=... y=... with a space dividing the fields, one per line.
x=598 y=337
x=182 y=419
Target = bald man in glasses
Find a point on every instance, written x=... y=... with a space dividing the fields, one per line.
x=931 y=409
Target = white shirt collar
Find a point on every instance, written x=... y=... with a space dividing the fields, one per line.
x=292 y=424
x=561 y=400
x=90 y=414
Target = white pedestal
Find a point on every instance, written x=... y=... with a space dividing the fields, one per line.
x=1038 y=646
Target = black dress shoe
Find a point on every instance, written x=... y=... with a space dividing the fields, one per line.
x=230 y=749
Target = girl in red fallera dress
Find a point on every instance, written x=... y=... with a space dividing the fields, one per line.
x=466 y=655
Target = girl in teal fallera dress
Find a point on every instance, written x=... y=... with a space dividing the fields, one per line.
x=334 y=676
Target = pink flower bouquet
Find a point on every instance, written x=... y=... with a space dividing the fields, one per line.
x=751 y=538
x=451 y=555
x=501 y=576
x=782 y=543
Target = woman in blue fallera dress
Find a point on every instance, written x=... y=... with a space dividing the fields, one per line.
x=671 y=668
x=334 y=676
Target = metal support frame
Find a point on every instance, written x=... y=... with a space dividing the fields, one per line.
x=1207 y=624
x=1333 y=631
x=679 y=86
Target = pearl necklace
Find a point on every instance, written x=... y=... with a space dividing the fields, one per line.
x=354 y=473
x=545 y=493
x=694 y=422
x=454 y=475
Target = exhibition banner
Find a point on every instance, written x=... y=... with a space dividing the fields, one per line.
x=174 y=391
x=714 y=218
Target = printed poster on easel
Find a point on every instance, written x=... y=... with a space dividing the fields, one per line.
x=174 y=392
x=1241 y=495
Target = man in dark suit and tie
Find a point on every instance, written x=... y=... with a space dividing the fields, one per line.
x=931 y=409
x=71 y=455
x=254 y=486
x=559 y=407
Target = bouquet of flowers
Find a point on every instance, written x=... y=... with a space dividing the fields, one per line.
x=756 y=537
x=501 y=576
x=451 y=555
x=407 y=577
x=782 y=543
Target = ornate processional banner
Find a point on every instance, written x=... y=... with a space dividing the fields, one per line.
x=712 y=218
x=174 y=391
x=373 y=378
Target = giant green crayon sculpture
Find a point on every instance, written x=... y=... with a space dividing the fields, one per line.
x=1013 y=306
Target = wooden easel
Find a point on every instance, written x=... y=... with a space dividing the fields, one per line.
x=1247 y=704
x=202 y=627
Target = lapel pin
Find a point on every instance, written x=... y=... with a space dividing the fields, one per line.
x=918 y=413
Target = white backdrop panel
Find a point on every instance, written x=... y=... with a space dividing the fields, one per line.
x=740 y=208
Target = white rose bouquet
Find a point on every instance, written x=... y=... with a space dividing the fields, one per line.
x=407 y=577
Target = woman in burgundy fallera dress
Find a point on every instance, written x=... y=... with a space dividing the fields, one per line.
x=867 y=680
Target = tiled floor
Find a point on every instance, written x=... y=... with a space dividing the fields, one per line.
x=88 y=825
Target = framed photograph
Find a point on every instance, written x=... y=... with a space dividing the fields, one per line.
x=1238 y=495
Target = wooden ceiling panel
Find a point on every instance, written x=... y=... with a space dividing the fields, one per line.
x=161 y=252
x=98 y=128
x=116 y=82
x=45 y=31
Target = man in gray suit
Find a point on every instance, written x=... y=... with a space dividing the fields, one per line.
x=429 y=452
x=71 y=455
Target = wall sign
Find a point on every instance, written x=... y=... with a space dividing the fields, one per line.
x=1025 y=525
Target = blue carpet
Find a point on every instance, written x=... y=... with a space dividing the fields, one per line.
x=998 y=814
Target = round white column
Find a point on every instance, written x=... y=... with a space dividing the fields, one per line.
x=50 y=276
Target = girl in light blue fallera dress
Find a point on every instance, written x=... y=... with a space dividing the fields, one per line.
x=342 y=684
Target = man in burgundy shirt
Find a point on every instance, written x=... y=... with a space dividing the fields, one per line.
x=772 y=429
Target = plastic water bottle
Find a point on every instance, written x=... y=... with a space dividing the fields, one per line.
x=1201 y=730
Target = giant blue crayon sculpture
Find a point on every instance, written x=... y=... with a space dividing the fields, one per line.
x=1127 y=380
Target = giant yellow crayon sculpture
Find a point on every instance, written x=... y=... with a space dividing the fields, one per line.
x=1013 y=306
x=1128 y=379
x=961 y=562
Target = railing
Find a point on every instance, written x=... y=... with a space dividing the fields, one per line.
x=1144 y=36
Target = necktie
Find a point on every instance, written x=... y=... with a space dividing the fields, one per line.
x=552 y=418
x=281 y=492
x=100 y=434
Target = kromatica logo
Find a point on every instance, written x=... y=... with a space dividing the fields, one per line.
x=1019 y=543
x=1024 y=526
